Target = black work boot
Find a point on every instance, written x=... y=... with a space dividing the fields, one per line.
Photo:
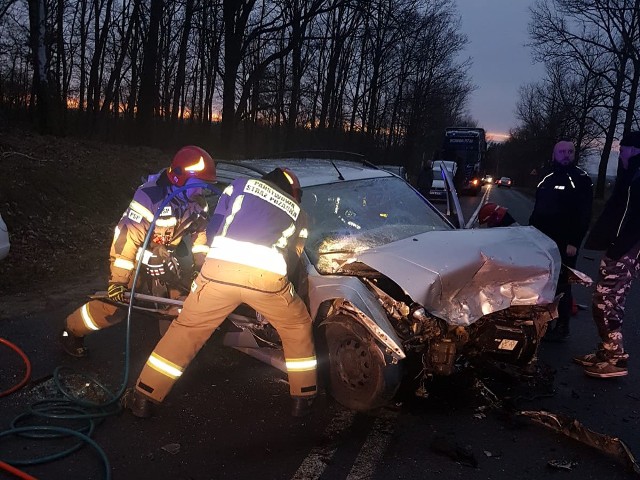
x=136 y=402
x=72 y=344
x=301 y=406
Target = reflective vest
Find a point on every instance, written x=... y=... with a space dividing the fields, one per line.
x=258 y=225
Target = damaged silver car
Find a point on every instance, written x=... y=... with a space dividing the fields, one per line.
x=390 y=282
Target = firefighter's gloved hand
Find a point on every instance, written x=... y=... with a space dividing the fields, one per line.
x=116 y=292
x=155 y=266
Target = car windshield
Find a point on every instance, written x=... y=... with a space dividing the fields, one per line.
x=353 y=216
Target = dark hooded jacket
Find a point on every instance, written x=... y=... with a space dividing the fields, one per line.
x=617 y=230
x=564 y=200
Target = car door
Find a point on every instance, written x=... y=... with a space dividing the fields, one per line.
x=454 y=211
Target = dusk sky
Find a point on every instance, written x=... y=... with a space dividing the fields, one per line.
x=497 y=32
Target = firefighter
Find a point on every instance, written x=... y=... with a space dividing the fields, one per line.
x=562 y=211
x=259 y=234
x=185 y=214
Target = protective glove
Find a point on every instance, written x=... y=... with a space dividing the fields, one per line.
x=155 y=266
x=158 y=266
x=116 y=292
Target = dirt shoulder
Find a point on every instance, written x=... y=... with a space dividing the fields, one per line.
x=61 y=199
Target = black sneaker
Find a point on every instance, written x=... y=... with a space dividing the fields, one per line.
x=589 y=359
x=73 y=345
x=301 y=406
x=136 y=402
x=608 y=369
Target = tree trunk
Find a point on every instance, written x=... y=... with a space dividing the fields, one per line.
x=182 y=60
x=114 y=79
x=611 y=131
x=235 y=15
x=149 y=88
x=40 y=61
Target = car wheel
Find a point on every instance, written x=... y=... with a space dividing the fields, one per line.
x=358 y=373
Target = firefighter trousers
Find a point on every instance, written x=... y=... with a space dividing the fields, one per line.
x=98 y=314
x=206 y=307
x=94 y=315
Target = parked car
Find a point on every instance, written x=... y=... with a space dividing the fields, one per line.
x=504 y=182
x=438 y=191
x=390 y=284
x=4 y=239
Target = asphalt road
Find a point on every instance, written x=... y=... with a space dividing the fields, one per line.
x=228 y=417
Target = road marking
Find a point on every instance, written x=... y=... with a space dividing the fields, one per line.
x=316 y=462
x=368 y=458
x=474 y=215
x=374 y=447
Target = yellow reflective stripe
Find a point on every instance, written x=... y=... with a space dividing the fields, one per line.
x=246 y=253
x=302 y=364
x=145 y=254
x=235 y=208
x=87 y=319
x=196 y=167
x=286 y=234
x=164 y=366
x=167 y=222
x=200 y=249
x=142 y=210
x=124 y=264
x=288 y=177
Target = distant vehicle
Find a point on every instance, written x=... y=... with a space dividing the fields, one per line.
x=467 y=147
x=487 y=179
x=4 y=239
x=396 y=170
x=504 y=182
x=438 y=192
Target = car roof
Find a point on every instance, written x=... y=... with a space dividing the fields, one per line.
x=310 y=171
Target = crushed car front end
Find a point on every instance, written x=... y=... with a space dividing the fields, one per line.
x=423 y=291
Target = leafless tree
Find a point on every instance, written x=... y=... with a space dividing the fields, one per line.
x=573 y=32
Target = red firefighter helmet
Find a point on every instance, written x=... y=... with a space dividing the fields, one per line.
x=491 y=214
x=296 y=190
x=191 y=162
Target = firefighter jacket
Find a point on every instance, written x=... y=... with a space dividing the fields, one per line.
x=184 y=215
x=258 y=225
x=562 y=210
x=617 y=229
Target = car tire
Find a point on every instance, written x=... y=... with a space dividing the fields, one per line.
x=357 y=372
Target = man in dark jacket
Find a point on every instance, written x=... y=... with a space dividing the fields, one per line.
x=617 y=231
x=562 y=211
x=260 y=230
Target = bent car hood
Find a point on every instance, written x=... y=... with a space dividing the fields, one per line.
x=461 y=275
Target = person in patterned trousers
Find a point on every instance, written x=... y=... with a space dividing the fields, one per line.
x=617 y=231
